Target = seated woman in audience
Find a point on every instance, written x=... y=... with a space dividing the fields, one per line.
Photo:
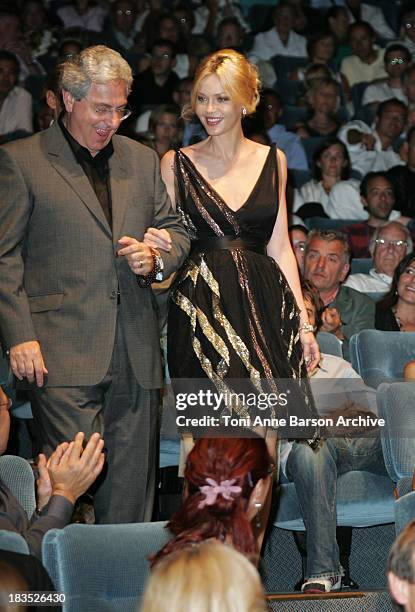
x=331 y=167
x=396 y=311
x=207 y=576
x=164 y=131
x=227 y=481
x=323 y=98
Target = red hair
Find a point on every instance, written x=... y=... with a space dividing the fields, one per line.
x=244 y=460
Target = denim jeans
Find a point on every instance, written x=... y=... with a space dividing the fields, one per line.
x=314 y=474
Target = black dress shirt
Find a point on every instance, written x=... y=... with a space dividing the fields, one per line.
x=96 y=169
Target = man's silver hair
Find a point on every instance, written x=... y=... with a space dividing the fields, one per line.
x=97 y=64
x=378 y=233
x=329 y=235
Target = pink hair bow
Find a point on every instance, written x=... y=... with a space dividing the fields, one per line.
x=211 y=491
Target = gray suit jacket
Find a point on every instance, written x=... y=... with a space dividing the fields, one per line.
x=59 y=272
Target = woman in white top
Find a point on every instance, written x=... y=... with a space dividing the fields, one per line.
x=331 y=166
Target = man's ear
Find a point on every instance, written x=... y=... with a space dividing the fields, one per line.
x=68 y=100
x=399 y=589
x=258 y=497
x=345 y=272
x=364 y=202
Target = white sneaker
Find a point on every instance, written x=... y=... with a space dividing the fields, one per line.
x=322 y=585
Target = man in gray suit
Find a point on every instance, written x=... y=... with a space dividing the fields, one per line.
x=77 y=312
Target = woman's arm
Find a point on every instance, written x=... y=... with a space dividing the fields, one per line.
x=155 y=238
x=279 y=248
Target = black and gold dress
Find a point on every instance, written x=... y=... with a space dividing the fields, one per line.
x=233 y=316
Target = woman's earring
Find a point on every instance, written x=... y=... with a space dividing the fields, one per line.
x=243 y=111
x=258 y=506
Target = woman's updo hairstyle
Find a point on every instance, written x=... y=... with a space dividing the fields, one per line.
x=239 y=79
x=236 y=463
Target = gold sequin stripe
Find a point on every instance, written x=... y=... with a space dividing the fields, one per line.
x=194 y=315
x=210 y=192
x=243 y=281
x=236 y=342
x=201 y=209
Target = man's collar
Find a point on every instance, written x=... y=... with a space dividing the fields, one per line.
x=331 y=297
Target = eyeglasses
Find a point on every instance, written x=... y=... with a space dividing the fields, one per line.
x=161 y=56
x=395 y=244
x=396 y=60
x=127 y=12
x=104 y=111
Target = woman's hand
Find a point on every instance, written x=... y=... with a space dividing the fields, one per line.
x=311 y=350
x=158 y=239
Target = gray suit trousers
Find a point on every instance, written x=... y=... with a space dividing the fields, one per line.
x=126 y=415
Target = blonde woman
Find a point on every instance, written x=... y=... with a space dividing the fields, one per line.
x=207 y=577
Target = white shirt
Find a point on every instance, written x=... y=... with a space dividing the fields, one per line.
x=343 y=198
x=267 y=44
x=362 y=160
x=16 y=112
x=379 y=91
x=366 y=283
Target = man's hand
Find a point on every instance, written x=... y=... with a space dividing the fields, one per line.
x=368 y=141
x=331 y=322
x=73 y=470
x=138 y=255
x=26 y=361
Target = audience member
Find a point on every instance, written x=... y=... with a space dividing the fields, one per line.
x=227 y=482
x=396 y=310
x=38 y=31
x=83 y=14
x=388 y=246
x=326 y=265
x=361 y=11
x=331 y=192
x=204 y=577
x=29 y=575
x=315 y=473
x=337 y=22
x=208 y=15
x=164 y=128
x=156 y=84
x=371 y=149
x=366 y=62
x=396 y=60
x=323 y=99
x=15 y=102
x=121 y=30
x=378 y=198
x=407 y=28
x=403 y=177
x=298 y=236
x=269 y=113
x=12 y=39
x=281 y=39
x=165 y=26
x=401 y=569
x=64 y=477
